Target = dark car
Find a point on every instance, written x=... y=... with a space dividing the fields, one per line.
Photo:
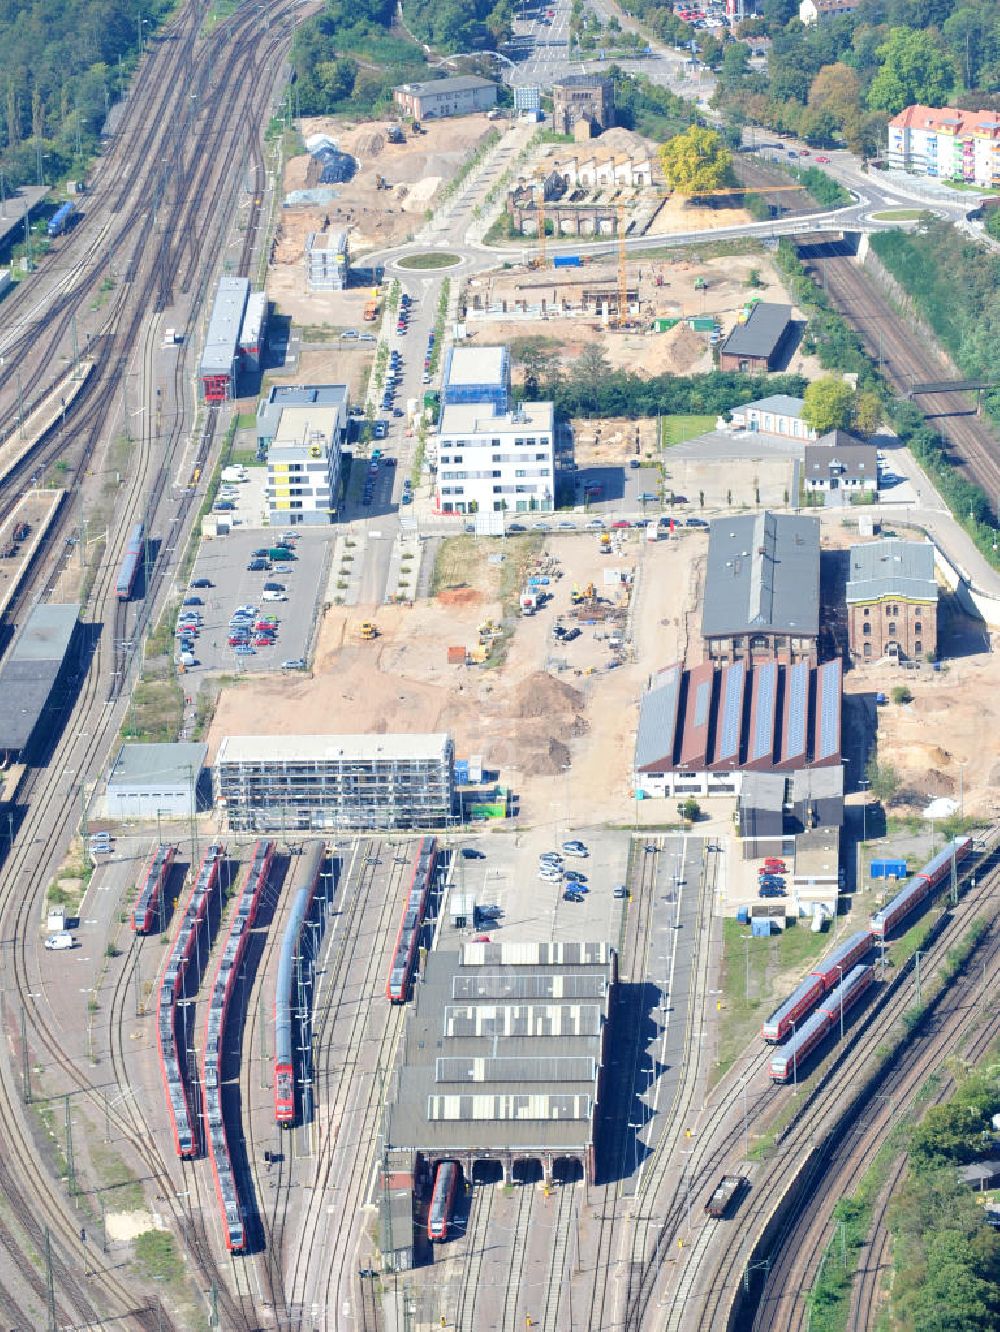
x=192 y=601
x=258 y=566
x=677 y=499
x=570 y=634
x=203 y=582
x=472 y=853
x=516 y=527
x=695 y=522
x=769 y=891
x=572 y=895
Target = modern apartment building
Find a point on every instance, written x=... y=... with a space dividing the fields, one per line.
x=303 y=428
x=947 y=143
x=496 y=462
x=364 y=782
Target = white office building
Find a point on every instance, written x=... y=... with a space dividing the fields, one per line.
x=496 y=462
x=303 y=463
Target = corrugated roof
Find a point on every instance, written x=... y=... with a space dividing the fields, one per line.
x=780 y=404
x=762 y=332
x=554 y=1068
x=223 y=335
x=657 y=729
x=763 y=576
x=892 y=568
x=31 y=668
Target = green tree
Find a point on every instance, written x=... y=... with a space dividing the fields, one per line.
x=914 y=68
x=696 y=162
x=883 y=779
x=868 y=412
x=827 y=404
x=836 y=93
x=901 y=694
x=689 y=810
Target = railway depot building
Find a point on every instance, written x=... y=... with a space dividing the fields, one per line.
x=503 y=1060
x=342 y=782
x=459 y=96
x=220 y=359
x=762 y=589
x=30 y=673
x=892 y=598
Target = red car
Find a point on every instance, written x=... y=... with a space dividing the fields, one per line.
x=621 y=522
x=772 y=866
x=263 y=640
x=236 y=639
x=804 y=152
x=822 y=159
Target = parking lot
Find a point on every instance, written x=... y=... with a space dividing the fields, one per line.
x=507 y=876
x=248 y=500
x=223 y=561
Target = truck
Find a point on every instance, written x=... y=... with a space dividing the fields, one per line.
x=280 y=554
x=395 y=134
x=725 y=1194
x=567 y=261
x=370 y=312
x=529 y=602
x=61 y=219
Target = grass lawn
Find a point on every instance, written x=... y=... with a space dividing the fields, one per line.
x=677 y=429
x=744 y=1007
x=428 y=261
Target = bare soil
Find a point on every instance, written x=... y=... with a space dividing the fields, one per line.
x=537 y=713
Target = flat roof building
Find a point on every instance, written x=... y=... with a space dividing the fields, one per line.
x=762 y=593
x=496 y=462
x=503 y=1058
x=327 y=265
x=477 y=375
x=364 y=782
x=458 y=96
x=154 y=781
x=220 y=360
x=892 y=598
x=254 y=330
x=304 y=455
x=30 y=670
x=756 y=346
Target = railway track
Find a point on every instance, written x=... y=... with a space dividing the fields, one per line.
x=805 y=1236
x=35 y=1198
x=907 y=360
x=348 y=1095
x=559 y=1280
x=509 y=1321
x=477 y=1238
x=707 y=1280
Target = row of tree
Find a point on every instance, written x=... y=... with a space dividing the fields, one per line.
x=64 y=63
x=843 y=78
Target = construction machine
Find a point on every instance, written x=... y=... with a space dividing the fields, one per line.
x=367 y=631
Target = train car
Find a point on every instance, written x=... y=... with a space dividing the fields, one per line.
x=60 y=219
x=226 y=977
x=786 y=1062
x=146 y=914
x=173 y=1069
x=442 y=1200
x=919 y=887
x=404 y=954
x=786 y=1018
x=835 y=966
x=307 y=876
x=135 y=551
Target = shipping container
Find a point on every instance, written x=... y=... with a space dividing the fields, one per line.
x=567 y=261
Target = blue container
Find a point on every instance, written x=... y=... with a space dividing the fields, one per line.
x=888 y=869
x=567 y=261
x=743 y=914
x=760 y=929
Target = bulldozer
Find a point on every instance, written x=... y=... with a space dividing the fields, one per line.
x=488 y=631
x=367 y=631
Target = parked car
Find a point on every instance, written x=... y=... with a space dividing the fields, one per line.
x=574 y=847
x=258 y=566
x=473 y=853
x=294 y=664
x=769 y=890
x=192 y=601
x=187 y=659
x=203 y=582
x=570 y=634
x=621 y=523
x=55 y=943
x=774 y=863
x=571 y=895
x=619 y=890
x=575 y=876
x=695 y=522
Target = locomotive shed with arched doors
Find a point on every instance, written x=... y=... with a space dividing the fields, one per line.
x=503 y=1062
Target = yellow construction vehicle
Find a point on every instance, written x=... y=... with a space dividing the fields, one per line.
x=367 y=631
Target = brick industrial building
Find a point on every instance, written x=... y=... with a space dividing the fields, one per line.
x=583 y=98
x=892 y=600
x=757 y=346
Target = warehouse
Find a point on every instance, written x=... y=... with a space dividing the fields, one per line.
x=762 y=592
x=360 y=782
x=701 y=730
x=756 y=346
x=503 y=1060
x=154 y=781
x=30 y=672
x=254 y=331
x=892 y=600
x=220 y=361
x=459 y=96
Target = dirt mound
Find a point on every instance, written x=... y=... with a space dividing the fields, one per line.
x=369 y=145
x=685 y=346
x=459 y=596
x=542 y=695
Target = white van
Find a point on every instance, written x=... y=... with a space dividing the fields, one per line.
x=274 y=596
x=188 y=659
x=57 y=942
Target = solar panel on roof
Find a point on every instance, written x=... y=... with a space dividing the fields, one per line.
x=766 y=686
x=732 y=708
x=797 y=683
x=829 y=719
